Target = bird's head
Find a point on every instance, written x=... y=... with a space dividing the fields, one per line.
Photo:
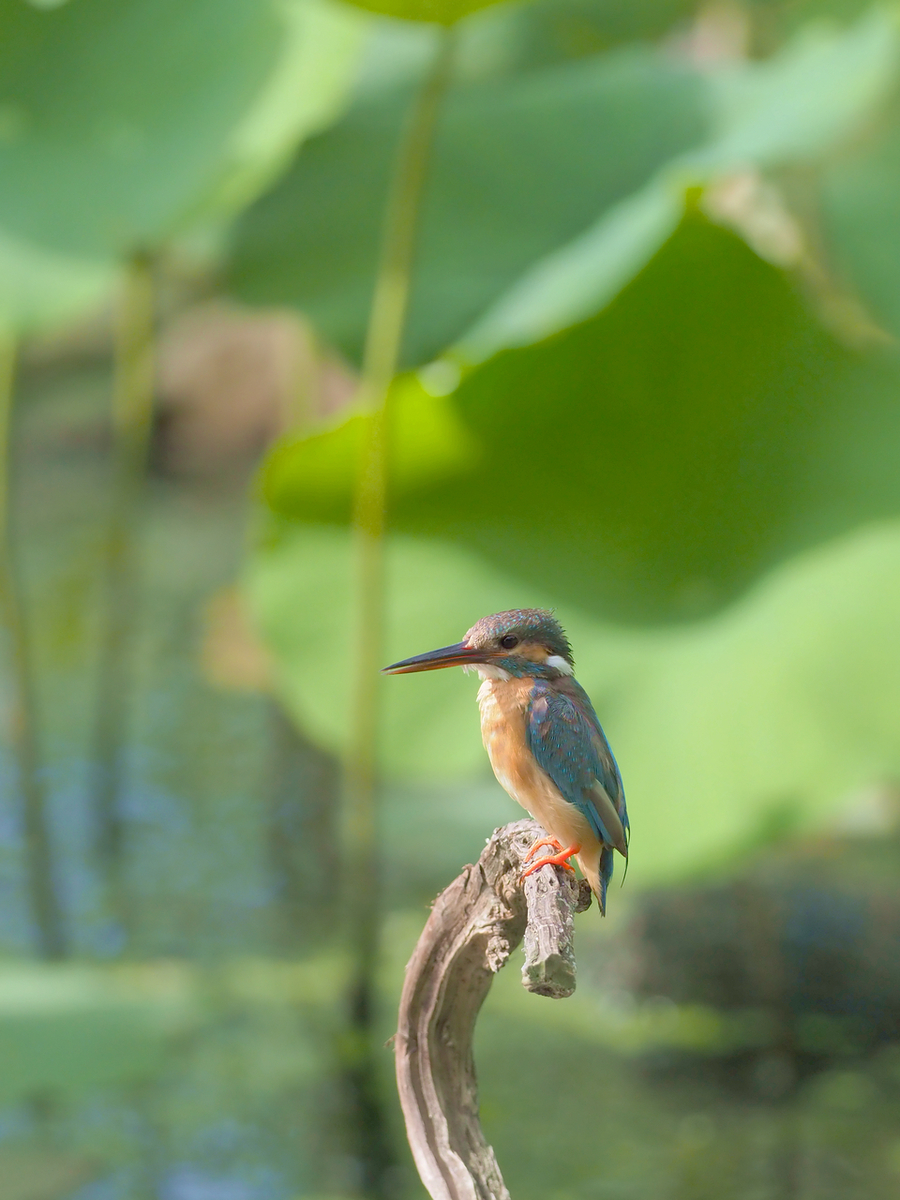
x=523 y=641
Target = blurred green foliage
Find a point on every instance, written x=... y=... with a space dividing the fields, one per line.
x=859 y=217
x=528 y=162
x=651 y=380
x=520 y=166
x=443 y=12
x=659 y=455
x=660 y=411
x=256 y=1032
x=41 y=290
x=122 y=126
x=764 y=719
x=788 y=112
x=71 y=1030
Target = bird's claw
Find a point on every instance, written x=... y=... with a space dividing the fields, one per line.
x=561 y=859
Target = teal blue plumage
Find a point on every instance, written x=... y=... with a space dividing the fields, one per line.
x=543 y=738
x=568 y=743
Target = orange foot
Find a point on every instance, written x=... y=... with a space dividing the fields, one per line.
x=557 y=860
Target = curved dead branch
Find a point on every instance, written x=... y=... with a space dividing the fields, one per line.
x=475 y=925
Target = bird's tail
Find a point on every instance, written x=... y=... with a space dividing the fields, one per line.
x=598 y=874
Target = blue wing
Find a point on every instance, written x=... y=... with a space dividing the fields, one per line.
x=567 y=741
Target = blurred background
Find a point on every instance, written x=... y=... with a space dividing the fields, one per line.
x=324 y=331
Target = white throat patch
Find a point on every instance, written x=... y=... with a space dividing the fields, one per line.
x=489 y=671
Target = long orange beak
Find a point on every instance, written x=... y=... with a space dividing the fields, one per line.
x=459 y=655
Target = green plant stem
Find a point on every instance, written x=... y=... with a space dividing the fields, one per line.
x=132 y=422
x=382 y=352
x=45 y=905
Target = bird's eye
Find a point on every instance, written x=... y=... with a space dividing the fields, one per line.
x=509 y=641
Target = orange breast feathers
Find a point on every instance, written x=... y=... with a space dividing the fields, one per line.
x=503 y=705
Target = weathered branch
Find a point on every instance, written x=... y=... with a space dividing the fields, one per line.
x=475 y=925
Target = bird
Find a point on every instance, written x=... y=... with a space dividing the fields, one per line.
x=543 y=738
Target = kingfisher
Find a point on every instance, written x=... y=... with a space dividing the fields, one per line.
x=544 y=740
